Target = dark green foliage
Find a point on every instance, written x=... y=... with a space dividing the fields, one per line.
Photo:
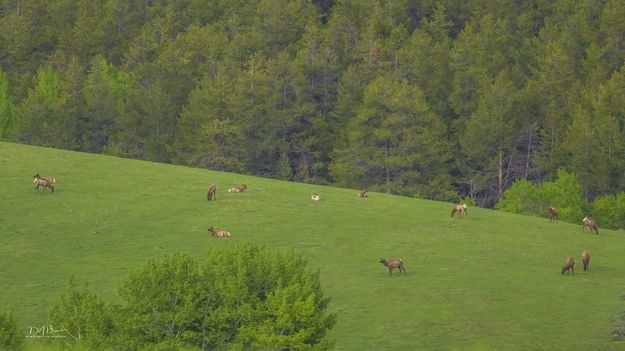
x=11 y=339
x=277 y=88
x=242 y=297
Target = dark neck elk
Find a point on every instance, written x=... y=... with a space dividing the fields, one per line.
x=238 y=189
x=392 y=264
x=218 y=233
x=569 y=265
x=459 y=208
x=585 y=260
x=212 y=192
x=363 y=193
x=553 y=214
x=591 y=224
x=46 y=182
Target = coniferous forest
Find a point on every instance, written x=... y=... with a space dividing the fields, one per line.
x=434 y=99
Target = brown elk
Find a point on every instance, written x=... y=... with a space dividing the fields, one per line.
x=553 y=214
x=392 y=264
x=459 y=208
x=585 y=260
x=315 y=197
x=363 y=193
x=212 y=192
x=218 y=233
x=569 y=265
x=591 y=224
x=46 y=182
x=238 y=189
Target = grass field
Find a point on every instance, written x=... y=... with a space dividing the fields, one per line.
x=490 y=281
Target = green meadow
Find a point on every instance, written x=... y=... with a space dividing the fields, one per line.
x=490 y=281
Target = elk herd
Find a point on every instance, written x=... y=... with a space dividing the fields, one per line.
x=459 y=208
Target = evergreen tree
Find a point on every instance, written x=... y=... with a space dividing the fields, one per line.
x=395 y=143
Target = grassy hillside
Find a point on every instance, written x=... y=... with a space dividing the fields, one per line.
x=487 y=282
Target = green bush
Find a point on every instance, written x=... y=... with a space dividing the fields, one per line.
x=243 y=297
x=10 y=336
x=609 y=211
x=565 y=193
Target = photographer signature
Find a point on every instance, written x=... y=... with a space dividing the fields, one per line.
x=47 y=331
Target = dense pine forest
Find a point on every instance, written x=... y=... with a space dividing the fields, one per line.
x=434 y=99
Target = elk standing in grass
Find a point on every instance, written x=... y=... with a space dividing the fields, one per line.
x=238 y=189
x=459 y=208
x=46 y=182
x=585 y=260
x=363 y=193
x=218 y=233
x=591 y=224
x=569 y=265
x=392 y=264
x=212 y=192
x=553 y=214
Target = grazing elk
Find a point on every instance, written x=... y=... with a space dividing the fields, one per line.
x=553 y=214
x=238 y=189
x=363 y=193
x=459 y=208
x=315 y=197
x=212 y=192
x=585 y=260
x=46 y=182
x=591 y=224
x=392 y=264
x=218 y=233
x=569 y=265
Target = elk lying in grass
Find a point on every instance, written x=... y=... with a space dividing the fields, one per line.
x=591 y=224
x=392 y=264
x=585 y=260
x=569 y=265
x=553 y=214
x=46 y=182
x=218 y=233
x=238 y=189
x=212 y=192
x=315 y=197
x=459 y=208
x=363 y=193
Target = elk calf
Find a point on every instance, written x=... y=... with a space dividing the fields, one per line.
x=238 y=189
x=212 y=192
x=392 y=264
x=569 y=265
x=585 y=260
x=218 y=233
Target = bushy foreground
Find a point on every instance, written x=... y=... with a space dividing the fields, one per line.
x=243 y=297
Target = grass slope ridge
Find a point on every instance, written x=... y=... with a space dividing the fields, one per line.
x=489 y=281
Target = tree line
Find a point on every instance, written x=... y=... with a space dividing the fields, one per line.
x=433 y=99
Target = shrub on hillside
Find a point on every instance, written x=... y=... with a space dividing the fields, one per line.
x=523 y=197
x=236 y=298
x=10 y=336
x=565 y=193
x=609 y=211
